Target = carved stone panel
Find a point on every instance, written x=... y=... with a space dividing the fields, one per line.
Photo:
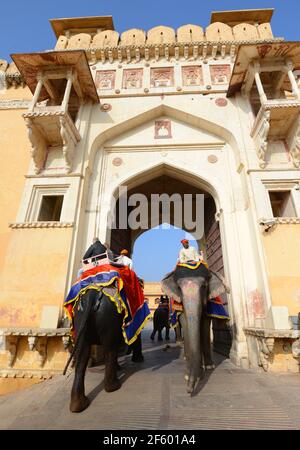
x=220 y=74
x=162 y=77
x=162 y=129
x=132 y=78
x=192 y=76
x=105 y=79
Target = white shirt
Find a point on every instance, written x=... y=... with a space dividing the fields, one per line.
x=125 y=261
x=188 y=254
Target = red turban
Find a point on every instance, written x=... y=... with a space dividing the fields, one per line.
x=184 y=241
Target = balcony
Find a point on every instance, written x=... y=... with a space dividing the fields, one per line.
x=61 y=83
x=265 y=75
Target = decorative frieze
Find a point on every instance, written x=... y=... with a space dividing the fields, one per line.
x=132 y=78
x=162 y=77
x=105 y=79
x=220 y=73
x=14 y=104
x=192 y=76
x=41 y=225
x=282 y=221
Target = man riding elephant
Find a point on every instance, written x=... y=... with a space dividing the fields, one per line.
x=196 y=287
x=106 y=307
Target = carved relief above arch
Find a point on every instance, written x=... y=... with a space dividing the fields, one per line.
x=165 y=110
x=218 y=31
x=133 y=36
x=161 y=35
x=107 y=38
x=190 y=33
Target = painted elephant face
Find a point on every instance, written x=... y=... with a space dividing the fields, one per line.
x=216 y=286
x=170 y=287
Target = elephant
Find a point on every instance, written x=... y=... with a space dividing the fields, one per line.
x=193 y=288
x=97 y=322
x=161 y=321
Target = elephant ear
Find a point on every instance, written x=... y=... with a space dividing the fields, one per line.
x=217 y=285
x=170 y=288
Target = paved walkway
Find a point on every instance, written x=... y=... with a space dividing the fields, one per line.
x=153 y=397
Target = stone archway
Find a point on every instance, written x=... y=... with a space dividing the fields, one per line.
x=165 y=181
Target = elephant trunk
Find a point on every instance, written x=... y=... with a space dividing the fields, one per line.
x=191 y=290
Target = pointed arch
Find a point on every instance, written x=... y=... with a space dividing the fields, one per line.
x=164 y=110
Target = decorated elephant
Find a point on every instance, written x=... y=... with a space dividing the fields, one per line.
x=106 y=307
x=196 y=287
x=161 y=320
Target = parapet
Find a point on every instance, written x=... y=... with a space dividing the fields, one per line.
x=226 y=26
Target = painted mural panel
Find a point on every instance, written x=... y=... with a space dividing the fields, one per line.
x=192 y=76
x=105 y=79
x=162 y=129
x=220 y=74
x=162 y=77
x=132 y=78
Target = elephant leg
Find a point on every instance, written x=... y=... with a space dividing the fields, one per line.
x=183 y=325
x=111 y=381
x=79 y=401
x=137 y=355
x=153 y=334
x=178 y=333
x=206 y=344
x=167 y=333
x=160 y=338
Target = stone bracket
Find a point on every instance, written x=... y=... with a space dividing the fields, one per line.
x=69 y=142
x=260 y=135
x=37 y=341
x=47 y=127
x=39 y=145
x=265 y=347
x=11 y=347
x=265 y=343
x=294 y=142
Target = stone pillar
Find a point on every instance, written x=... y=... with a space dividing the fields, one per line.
x=289 y=70
x=36 y=93
x=67 y=91
x=260 y=88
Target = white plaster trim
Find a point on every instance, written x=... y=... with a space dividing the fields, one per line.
x=41 y=225
x=283 y=220
x=14 y=104
x=153 y=147
x=112 y=53
x=266 y=332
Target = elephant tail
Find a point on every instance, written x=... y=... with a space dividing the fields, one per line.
x=83 y=324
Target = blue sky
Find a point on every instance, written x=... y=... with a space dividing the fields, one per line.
x=24 y=27
x=155 y=252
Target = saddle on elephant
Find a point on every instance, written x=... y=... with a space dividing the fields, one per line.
x=123 y=288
